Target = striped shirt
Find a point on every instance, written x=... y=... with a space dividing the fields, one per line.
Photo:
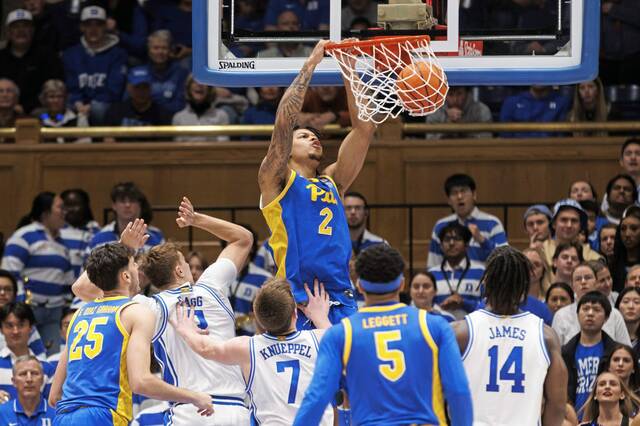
x=152 y=416
x=264 y=258
x=490 y=227
x=463 y=279
x=6 y=372
x=367 y=239
x=35 y=343
x=40 y=263
x=77 y=240
x=108 y=235
x=244 y=291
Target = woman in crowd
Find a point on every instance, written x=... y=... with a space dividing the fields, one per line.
x=628 y=304
x=566 y=257
x=558 y=296
x=610 y=403
x=581 y=190
x=540 y=274
x=55 y=113
x=198 y=263
x=623 y=362
x=422 y=291
x=589 y=105
x=626 y=249
x=200 y=110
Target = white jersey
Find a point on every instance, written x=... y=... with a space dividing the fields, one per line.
x=180 y=365
x=506 y=362
x=281 y=371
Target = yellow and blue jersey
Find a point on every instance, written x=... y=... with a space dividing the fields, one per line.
x=97 y=365
x=399 y=365
x=310 y=236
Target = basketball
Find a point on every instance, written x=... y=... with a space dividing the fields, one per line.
x=422 y=87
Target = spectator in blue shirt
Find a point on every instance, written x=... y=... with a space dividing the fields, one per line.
x=174 y=16
x=539 y=104
x=486 y=230
x=16 y=321
x=314 y=14
x=29 y=407
x=458 y=278
x=357 y=211
x=129 y=203
x=95 y=68
x=167 y=76
x=264 y=112
x=80 y=227
x=37 y=257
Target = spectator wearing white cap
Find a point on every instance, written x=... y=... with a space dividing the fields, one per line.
x=569 y=219
x=24 y=62
x=95 y=68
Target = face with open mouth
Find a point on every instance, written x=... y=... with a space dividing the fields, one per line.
x=608 y=388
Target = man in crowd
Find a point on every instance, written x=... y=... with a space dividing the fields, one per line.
x=129 y=203
x=357 y=212
x=486 y=230
x=29 y=407
x=538 y=104
x=29 y=65
x=140 y=109
x=460 y=108
x=96 y=68
x=79 y=228
x=537 y=221
x=569 y=218
x=10 y=110
x=167 y=77
x=582 y=354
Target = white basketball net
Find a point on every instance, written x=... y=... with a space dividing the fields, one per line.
x=392 y=76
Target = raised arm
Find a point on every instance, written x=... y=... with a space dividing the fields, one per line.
x=555 y=384
x=274 y=169
x=233 y=351
x=354 y=147
x=141 y=379
x=239 y=240
x=55 y=394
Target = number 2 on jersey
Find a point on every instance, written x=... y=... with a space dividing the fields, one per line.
x=94 y=339
x=294 y=365
x=324 y=228
x=511 y=370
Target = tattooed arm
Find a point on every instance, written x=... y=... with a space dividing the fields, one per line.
x=353 y=149
x=274 y=169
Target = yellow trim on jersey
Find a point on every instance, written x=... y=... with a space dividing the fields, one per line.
x=118 y=420
x=346 y=351
x=437 y=399
x=383 y=308
x=292 y=177
x=125 y=403
x=110 y=298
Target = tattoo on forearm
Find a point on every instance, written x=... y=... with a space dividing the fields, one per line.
x=275 y=162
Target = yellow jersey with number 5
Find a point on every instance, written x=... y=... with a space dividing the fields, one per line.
x=97 y=360
x=309 y=235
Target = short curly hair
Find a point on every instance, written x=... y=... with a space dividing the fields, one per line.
x=380 y=263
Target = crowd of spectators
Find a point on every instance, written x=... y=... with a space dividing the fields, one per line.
x=584 y=253
x=127 y=63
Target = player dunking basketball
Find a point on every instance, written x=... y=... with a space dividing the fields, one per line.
x=303 y=208
x=512 y=358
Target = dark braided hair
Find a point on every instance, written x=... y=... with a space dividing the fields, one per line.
x=506 y=280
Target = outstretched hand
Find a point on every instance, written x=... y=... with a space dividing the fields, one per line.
x=318 y=52
x=135 y=234
x=317 y=309
x=186 y=213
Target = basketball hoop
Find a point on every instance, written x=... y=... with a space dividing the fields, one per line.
x=389 y=75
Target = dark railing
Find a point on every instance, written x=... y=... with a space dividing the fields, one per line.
x=409 y=207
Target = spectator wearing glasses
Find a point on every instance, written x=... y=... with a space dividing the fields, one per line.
x=357 y=212
x=626 y=249
x=486 y=230
x=458 y=289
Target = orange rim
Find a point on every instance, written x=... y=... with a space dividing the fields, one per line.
x=376 y=41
